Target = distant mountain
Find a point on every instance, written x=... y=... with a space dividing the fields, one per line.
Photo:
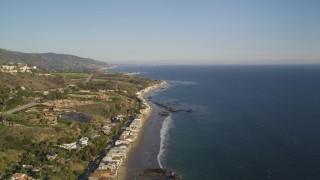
x=52 y=61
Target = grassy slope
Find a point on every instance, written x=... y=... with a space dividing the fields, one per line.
x=74 y=75
x=31 y=81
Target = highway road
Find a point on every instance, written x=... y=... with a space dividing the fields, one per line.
x=22 y=107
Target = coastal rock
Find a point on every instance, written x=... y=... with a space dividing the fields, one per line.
x=163 y=113
x=173 y=110
x=160 y=173
x=190 y=111
x=168 y=108
x=153 y=172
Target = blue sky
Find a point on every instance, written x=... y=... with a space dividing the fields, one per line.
x=166 y=31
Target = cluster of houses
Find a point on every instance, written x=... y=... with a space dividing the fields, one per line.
x=54 y=109
x=51 y=113
x=110 y=164
x=75 y=145
x=21 y=176
x=22 y=68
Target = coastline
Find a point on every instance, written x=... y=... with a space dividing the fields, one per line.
x=113 y=162
x=145 y=116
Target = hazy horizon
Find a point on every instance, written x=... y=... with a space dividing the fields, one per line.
x=167 y=32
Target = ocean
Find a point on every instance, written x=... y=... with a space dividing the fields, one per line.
x=244 y=121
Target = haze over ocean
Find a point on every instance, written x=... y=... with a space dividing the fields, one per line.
x=166 y=31
x=250 y=122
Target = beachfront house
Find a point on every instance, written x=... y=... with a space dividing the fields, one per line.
x=126 y=133
x=118 y=142
x=110 y=168
x=124 y=147
x=134 y=133
x=130 y=138
x=100 y=174
x=112 y=165
x=136 y=122
x=136 y=125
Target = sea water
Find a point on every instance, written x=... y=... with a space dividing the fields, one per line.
x=247 y=122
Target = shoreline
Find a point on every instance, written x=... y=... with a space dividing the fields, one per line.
x=122 y=175
x=113 y=164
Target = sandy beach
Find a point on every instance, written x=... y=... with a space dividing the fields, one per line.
x=145 y=116
x=126 y=170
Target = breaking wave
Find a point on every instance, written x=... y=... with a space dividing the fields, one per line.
x=166 y=125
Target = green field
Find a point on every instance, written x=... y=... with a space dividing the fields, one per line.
x=74 y=75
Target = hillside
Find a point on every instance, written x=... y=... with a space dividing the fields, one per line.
x=31 y=81
x=52 y=61
x=73 y=63
x=44 y=118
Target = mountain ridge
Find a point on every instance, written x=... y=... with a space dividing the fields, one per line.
x=53 y=61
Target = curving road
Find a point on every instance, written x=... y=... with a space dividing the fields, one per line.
x=89 y=78
x=26 y=106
